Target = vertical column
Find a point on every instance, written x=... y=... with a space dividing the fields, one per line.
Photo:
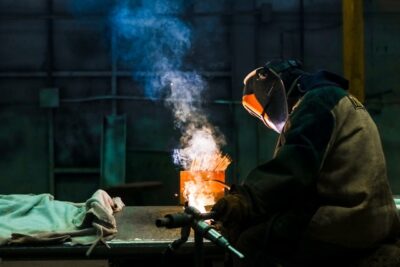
x=114 y=72
x=50 y=83
x=301 y=29
x=353 y=46
x=243 y=40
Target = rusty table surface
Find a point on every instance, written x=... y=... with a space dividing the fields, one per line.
x=137 y=235
x=137 y=225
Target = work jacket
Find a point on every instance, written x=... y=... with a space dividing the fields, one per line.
x=327 y=181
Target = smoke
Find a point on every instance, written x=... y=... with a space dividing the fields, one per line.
x=153 y=39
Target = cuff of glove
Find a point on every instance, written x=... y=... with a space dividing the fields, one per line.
x=245 y=192
x=241 y=190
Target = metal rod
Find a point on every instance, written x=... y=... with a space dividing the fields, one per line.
x=50 y=118
x=394 y=100
x=77 y=170
x=38 y=16
x=141 y=98
x=147 y=150
x=301 y=29
x=88 y=74
x=114 y=71
x=50 y=83
x=127 y=98
x=100 y=16
x=50 y=46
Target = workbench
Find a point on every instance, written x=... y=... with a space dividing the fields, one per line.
x=138 y=243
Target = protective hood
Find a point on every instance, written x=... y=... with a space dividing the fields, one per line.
x=264 y=97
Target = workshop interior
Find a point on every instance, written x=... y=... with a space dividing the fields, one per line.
x=137 y=105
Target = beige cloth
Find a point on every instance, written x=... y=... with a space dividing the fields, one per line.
x=359 y=211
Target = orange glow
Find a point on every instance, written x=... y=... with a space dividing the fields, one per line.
x=251 y=103
x=201 y=188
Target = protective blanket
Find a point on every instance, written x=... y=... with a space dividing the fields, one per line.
x=41 y=219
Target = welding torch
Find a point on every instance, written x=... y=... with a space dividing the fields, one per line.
x=193 y=218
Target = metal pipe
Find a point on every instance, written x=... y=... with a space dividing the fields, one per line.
x=301 y=29
x=50 y=83
x=127 y=98
x=134 y=98
x=312 y=14
x=88 y=74
x=256 y=56
x=38 y=16
x=76 y=170
x=50 y=47
x=114 y=71
x=50 y=118
x=140 y=98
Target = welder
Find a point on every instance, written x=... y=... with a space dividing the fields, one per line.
x=324 y=198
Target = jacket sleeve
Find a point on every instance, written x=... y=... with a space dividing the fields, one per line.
x=289 y=179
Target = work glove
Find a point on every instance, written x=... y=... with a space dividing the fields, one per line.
x=233 y=212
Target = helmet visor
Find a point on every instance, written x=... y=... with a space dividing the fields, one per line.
x=265 y=98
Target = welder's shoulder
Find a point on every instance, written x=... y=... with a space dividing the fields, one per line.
x=328 y=96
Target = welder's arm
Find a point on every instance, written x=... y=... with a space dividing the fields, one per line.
x=289 y=179
x=232 y=211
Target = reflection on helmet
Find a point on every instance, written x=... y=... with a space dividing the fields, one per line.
x=264 y=97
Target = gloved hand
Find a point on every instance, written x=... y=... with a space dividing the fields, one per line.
x=233 y=212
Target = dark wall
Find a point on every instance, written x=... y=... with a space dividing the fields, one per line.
x=68 y=45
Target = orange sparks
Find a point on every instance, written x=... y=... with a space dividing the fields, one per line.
x=204 y=182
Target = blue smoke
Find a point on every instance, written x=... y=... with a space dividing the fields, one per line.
x=151 y=38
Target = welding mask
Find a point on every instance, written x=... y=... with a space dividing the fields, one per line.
x=264 y=94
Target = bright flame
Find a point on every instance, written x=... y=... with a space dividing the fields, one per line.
x=201 y=154
x=201 y=151
x=198 y=193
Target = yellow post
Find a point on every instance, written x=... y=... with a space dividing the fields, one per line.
x=353 y=46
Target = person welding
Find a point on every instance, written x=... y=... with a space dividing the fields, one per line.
x=324 y=198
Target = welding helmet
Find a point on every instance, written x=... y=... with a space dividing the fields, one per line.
x=264 y=94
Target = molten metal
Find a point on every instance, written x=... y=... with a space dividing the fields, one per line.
x=201 y=188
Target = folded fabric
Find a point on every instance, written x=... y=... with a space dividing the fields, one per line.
x=27 y=219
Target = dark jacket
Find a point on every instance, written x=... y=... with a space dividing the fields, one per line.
x=327 y=180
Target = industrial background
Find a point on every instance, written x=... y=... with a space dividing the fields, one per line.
x=67 y=91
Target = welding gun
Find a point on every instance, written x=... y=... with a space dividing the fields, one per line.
x=193 y=218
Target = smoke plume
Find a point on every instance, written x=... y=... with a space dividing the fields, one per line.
x=153 y=39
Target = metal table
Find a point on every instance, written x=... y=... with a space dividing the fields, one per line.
x=138 y=239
